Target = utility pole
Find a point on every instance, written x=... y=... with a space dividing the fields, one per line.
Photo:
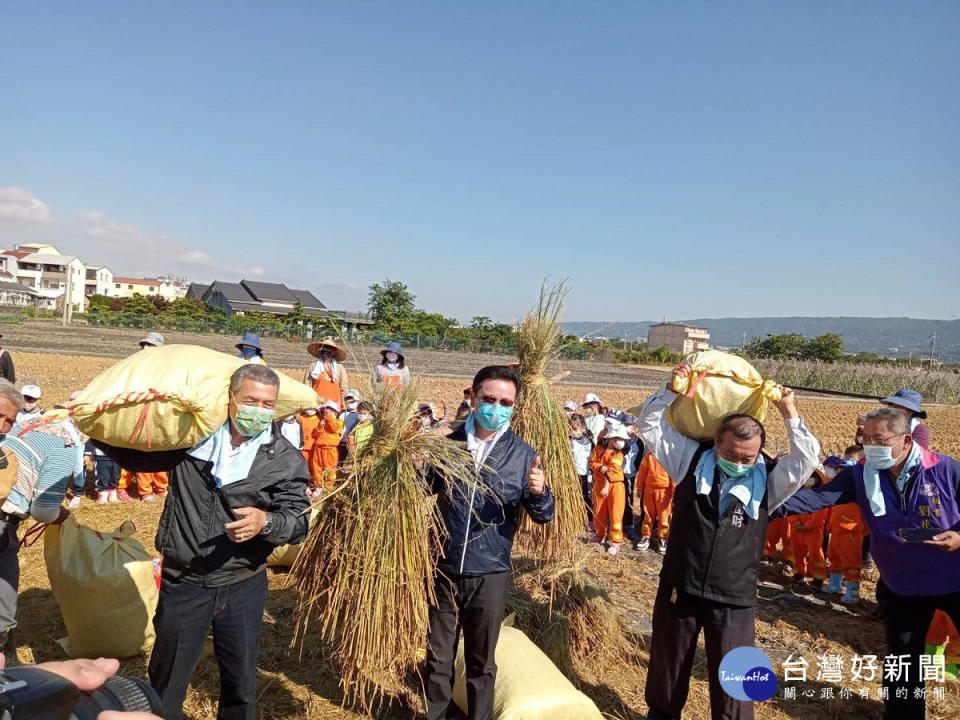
x=66 y=298
x=743 y=340
x=933 y=348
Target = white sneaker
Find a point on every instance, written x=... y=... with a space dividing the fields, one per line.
x=642 y=544
x=663 y=546
x=103 y=497
x=613 y=549
x=112 y=496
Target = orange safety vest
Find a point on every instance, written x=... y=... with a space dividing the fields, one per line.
x=327 y=387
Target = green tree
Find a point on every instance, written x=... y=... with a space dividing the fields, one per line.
x=826 y=348
x=777 y=347
x=140 y=305
x=391 y=305
x=429 y=324
x=98 y=302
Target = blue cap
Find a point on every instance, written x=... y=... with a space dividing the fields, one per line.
x=617 y=415
x=848 y=462
x=629 y=419
x=833 y=461
x=250 y=340
x=909 y=399
x=393 y=347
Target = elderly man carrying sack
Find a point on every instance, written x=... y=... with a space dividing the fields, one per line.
x=725 y=491
x=233 y=499
x=36 y=466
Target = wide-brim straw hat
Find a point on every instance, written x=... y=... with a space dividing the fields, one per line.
x=338 y=352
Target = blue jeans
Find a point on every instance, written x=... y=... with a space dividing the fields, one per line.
x=185 y=614
x=108 y=473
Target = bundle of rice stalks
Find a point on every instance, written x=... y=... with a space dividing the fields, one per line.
x=540 y=420
x=365 y=575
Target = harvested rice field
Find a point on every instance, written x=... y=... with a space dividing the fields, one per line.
x=301 y=683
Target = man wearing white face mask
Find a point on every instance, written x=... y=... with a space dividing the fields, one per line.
x=233 y=498
x=909 y=498
x=724 y=493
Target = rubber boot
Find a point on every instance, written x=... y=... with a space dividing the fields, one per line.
x=835 y=585
x=852 y=596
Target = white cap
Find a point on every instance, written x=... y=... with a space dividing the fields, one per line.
x=352 y=393
x=570 y=406
x=332 y=404
x=617 y=430
x=31 y=391
x=591 y=398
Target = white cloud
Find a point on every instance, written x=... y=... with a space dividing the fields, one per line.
x=97 y=226
x=20 y=205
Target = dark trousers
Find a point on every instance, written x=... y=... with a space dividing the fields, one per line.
x=108 y=473
x=587 y=490
x=9 y=578
x=907 y=619
x=474 y=605
x=184 y=615
x=629 y=519
x=676 y=627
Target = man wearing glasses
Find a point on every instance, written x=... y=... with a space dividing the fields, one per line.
x=480 y=518
x=908 y=497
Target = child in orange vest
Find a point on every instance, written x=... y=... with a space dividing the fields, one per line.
x=779 y=530
x=309 y=420
x=845 y=551
x=609 y=492
x=807 y=538
x=324 y=455
x=656 y=488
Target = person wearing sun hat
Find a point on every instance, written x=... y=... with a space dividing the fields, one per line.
x=250 y=349
x=392 y=369
x=327 y=376
x=907 y=401
x=31 y=405
x=153 y=339
x=593 y=415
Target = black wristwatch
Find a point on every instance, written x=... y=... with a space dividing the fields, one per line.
x=267 y=525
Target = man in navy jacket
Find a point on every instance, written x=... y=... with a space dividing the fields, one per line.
x=481 y=518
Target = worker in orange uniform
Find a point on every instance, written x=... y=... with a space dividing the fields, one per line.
x=152 y=485
x=309 y=419
x=779 y=531
x=324 y=457
x=327 y=376
x=609 y=491
x=845 y=551
x=656 y=488
x=806 y=534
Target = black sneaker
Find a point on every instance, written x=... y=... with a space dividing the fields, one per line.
x=817 y=584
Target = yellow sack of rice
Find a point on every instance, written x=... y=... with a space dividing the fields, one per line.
x=528 y=686
x=169 y=397
x=284 y=555
x=105 y=587
x=720 y=384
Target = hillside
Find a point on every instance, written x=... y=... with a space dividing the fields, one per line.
x=883 y=336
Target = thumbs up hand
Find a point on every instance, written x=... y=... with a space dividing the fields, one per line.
x=535 y=478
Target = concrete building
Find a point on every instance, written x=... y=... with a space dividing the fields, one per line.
x=14 y=296
x=99 y=280
x=128 y=287
x=55 y=277
x=678 y=337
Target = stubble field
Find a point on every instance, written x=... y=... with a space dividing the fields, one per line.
x=300 y=683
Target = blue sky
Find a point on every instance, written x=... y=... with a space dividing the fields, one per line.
x=672 y=159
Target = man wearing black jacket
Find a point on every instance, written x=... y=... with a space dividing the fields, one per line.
x=725 y=490
x=232 y=499
x=481 y=519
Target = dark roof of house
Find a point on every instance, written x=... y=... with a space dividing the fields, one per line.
x=266 y=292
x=308 y=300
x=16 y=287
x=197 y=290
x=232 y=292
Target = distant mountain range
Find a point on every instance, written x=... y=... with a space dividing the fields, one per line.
x=888 y=337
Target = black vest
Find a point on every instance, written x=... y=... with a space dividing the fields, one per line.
x=710 y=556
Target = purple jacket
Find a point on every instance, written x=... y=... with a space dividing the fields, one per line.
x=929 y=500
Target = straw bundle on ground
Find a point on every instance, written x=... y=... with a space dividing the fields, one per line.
x=365 y=575
x=539 y=419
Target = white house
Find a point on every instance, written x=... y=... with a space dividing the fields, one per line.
x=99 y=280
x=128 y=287
x=53 y=276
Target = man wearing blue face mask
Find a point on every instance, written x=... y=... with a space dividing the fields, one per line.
x=480 y=517
x=233 y=498
x=725 y=490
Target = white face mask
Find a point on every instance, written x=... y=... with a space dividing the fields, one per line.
x=311 y=412
x=351 y=405
x=618 y=444
x=830 y=472
x=30 y=407
x=363 y=417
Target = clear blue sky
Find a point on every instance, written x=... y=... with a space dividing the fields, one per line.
x=673 y=159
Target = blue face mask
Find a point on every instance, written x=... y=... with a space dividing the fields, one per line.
x=493 y=416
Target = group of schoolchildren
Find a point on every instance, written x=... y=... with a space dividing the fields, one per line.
x=616 y=476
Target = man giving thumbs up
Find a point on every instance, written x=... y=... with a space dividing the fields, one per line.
x=480 y=518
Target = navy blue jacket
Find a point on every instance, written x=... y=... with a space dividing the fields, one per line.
x=481 y=518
